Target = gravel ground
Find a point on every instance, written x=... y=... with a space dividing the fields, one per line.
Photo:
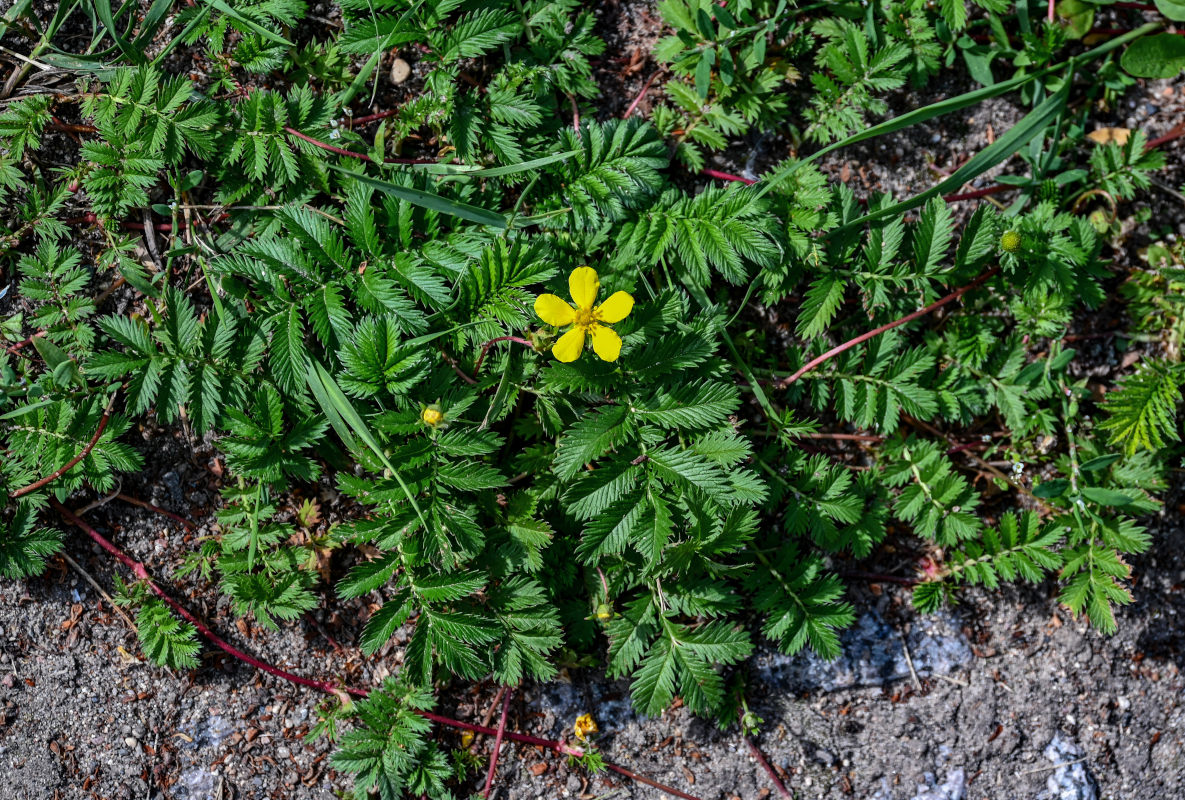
x=1003 y=696
x=1007 y=688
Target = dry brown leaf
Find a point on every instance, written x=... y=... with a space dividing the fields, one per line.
x=1109 y=135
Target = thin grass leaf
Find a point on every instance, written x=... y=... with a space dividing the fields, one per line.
x=219 y=5
x=1033 y=124
x=432 y=202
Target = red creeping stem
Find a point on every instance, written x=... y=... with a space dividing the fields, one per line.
x=127 y=498
x=724 y=176
x=977 y=193
x=634 y=105
x=141 y=572
x=329 y=687
x=32 y=487
x=1174 y=133
x=755 y=751
x=15 y=349
x=497 y=743
x=342 y=152
x=921 y=312
x=374 y=117
x=485 y=348
x=876 y=577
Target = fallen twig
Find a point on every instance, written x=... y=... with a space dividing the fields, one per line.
x=86 y=576
x=1052 y=766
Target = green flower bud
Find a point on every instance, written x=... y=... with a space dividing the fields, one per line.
x=1011 y=241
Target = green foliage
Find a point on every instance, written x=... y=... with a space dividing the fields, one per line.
x=1142 y=411
x=850 y=70
x=23 y=546
x=47 y=435
x=1121 y=170
x=1020 y=548
x=800 y=602
x=388 y=751
x=324 y=285
x=54 y=280
x=164 y=116
x=184 y=362
x=165 y=640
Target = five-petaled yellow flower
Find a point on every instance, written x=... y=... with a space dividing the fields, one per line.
x=586 y=318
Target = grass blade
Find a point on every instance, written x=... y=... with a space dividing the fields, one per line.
x=954 y=104
x=103 y=9
x=462 y=171
x=1033 y=124
x=219 y=5
x=349 y=424
x=433 y=202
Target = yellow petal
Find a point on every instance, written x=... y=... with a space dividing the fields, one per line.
x=606 y=342
x=570 y=345
x=583 y=284
x=553 y=310
x=616 y=308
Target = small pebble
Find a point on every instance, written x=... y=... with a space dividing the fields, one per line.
x=400 y=71
x=131 y=742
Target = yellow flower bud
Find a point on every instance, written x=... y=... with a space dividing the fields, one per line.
x=432 y=416
x=604 y=612
x=1011 y=241
x=467 y=739
x=585 y=725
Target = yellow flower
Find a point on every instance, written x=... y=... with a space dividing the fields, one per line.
x=586 y=318
x=585 y=725
x=466 y=739
x=432 y=416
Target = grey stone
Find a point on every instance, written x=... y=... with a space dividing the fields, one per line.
x=194 y=783
x=1070 y=779
x=872 y=655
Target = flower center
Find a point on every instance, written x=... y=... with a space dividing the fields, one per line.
x=585 y=317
